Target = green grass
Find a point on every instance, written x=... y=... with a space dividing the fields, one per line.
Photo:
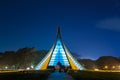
x=94 y=75
x=25 y=75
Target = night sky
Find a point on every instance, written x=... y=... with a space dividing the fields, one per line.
x=90 y=28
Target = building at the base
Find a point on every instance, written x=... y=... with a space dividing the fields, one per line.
x=59 y=53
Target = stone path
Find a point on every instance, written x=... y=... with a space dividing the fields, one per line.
x=59 y=76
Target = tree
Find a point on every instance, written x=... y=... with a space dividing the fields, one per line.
x=107 y=62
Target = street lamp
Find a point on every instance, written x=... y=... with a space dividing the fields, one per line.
x=6 y=67
x=32 y=66
x=113 y=67
x=119 y=67
x=28 y=68
x=96 y=69
x=106 y=67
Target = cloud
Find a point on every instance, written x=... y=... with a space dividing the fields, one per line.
x=110 y=24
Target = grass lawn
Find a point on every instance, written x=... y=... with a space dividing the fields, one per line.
x=94 y=75
x=25 y=75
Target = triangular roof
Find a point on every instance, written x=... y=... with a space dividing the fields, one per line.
x=59 y=53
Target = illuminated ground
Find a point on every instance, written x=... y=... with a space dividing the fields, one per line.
x=24 y=75
x=48 y=75
x=95 y=75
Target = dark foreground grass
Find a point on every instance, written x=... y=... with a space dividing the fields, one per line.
x=25 y=75
x=92 y=75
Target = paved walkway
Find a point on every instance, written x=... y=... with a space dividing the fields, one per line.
x=59 y=76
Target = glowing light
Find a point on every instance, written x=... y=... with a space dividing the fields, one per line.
x=59 y=55
x=106 y=67
x=119 y=67
x=96 y=69
x=6 y=67
x=28 y=68
x=113 y=67
x=74 y=63
x=32 y=66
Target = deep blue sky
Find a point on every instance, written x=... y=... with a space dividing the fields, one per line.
x=89 y=27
